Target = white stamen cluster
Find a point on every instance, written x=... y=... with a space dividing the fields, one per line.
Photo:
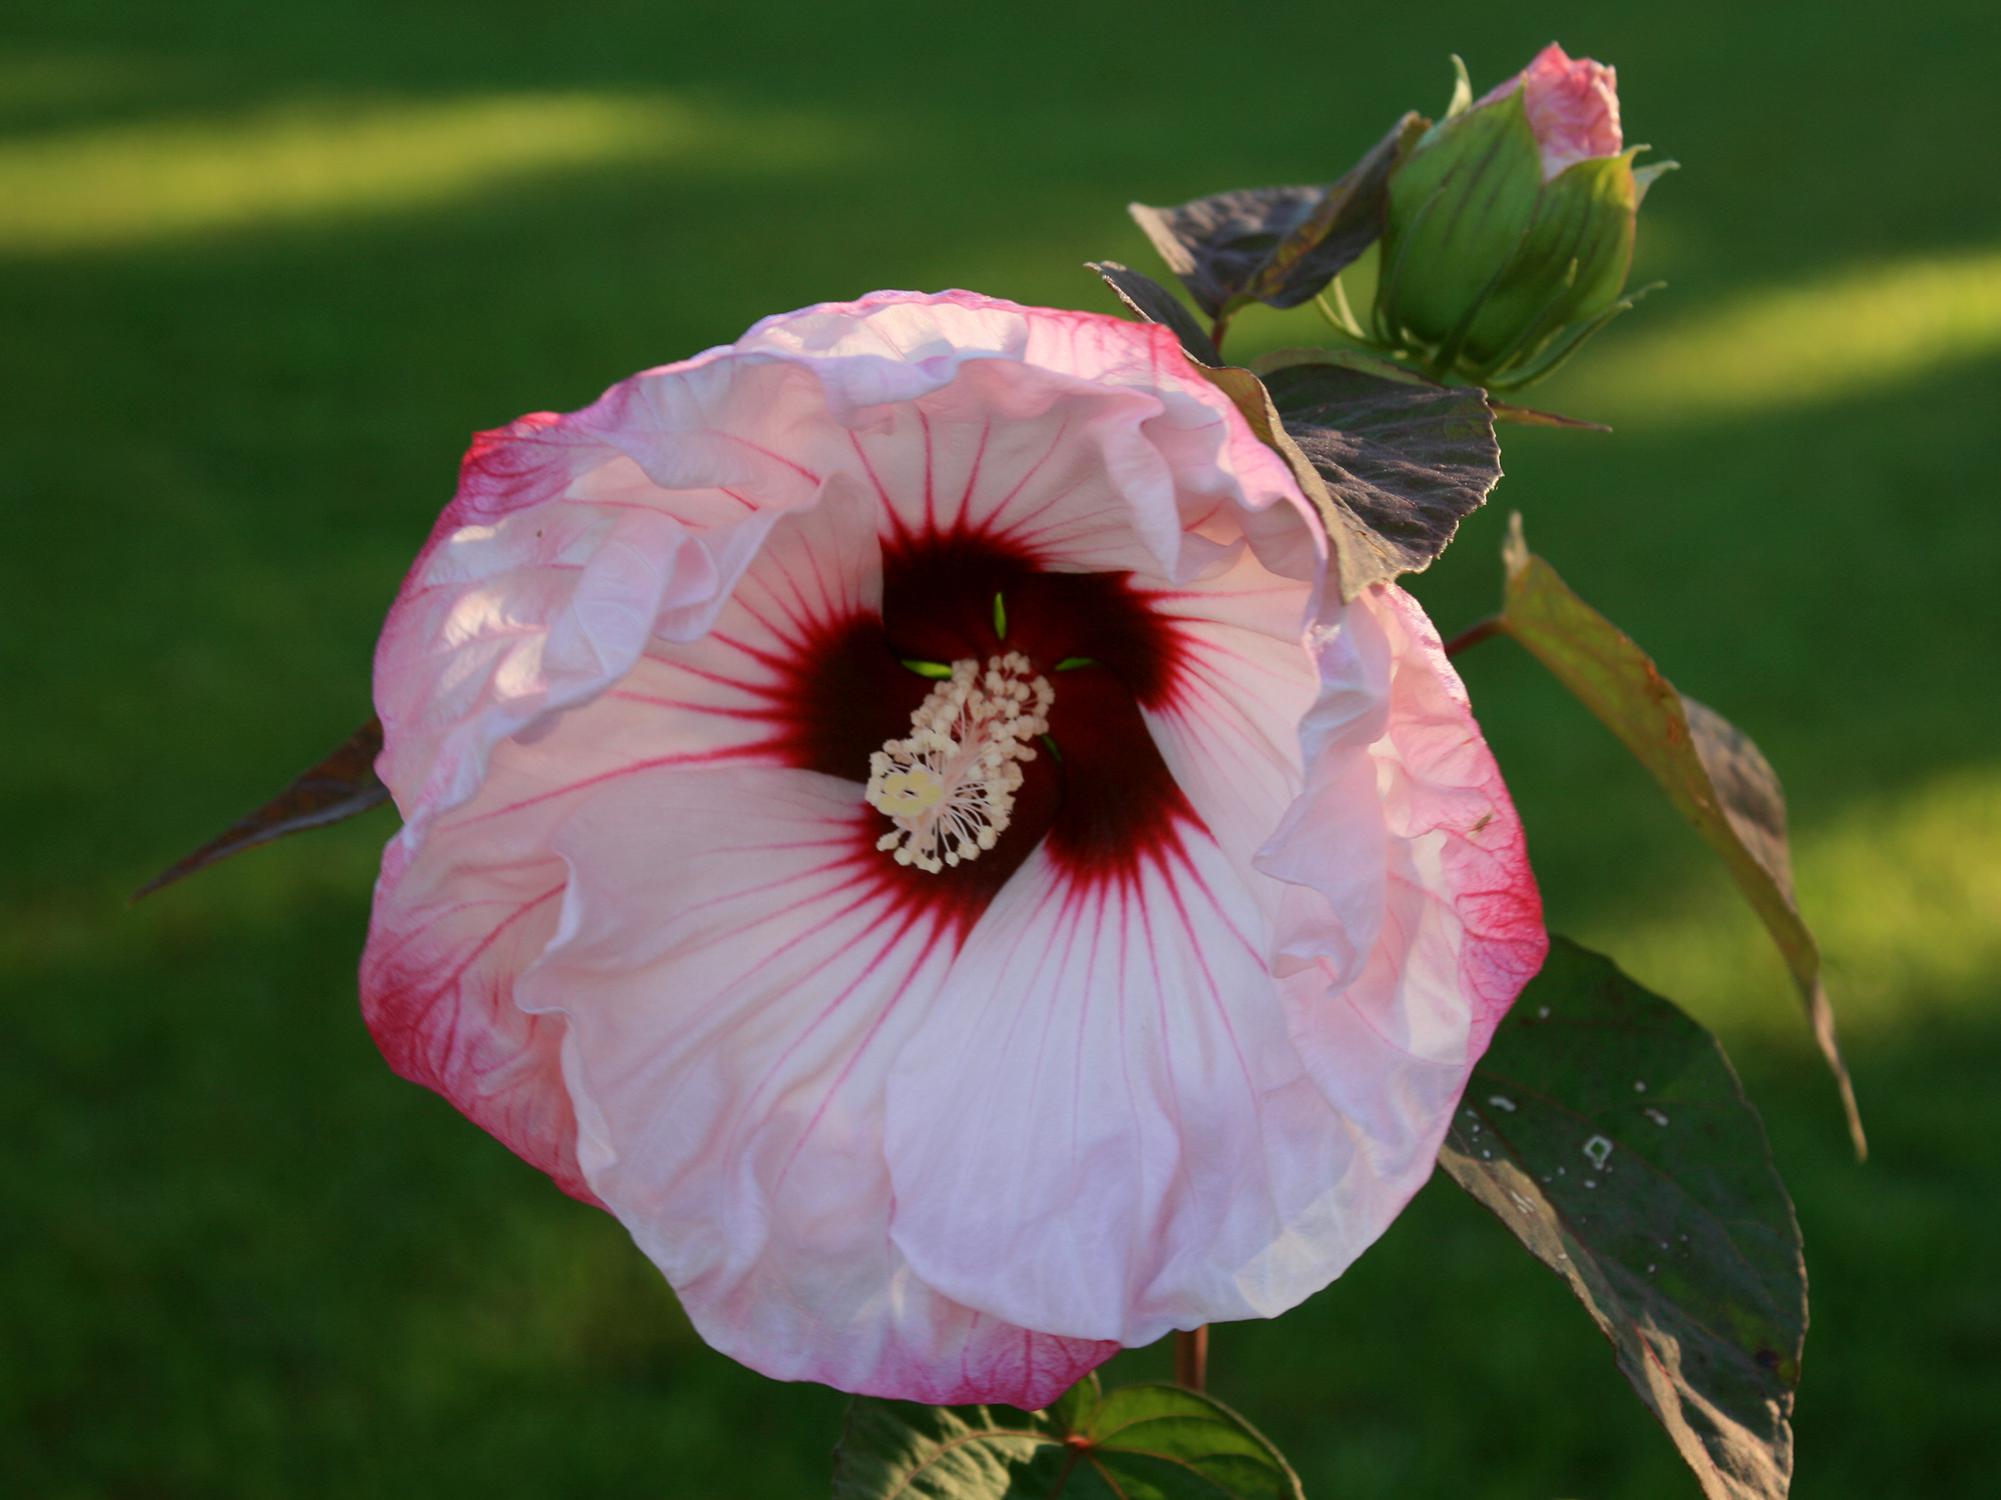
x=949 y=785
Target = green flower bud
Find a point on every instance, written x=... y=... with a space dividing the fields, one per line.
x=1510 y=226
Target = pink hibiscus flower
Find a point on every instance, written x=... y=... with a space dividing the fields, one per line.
x=1572 y=104
x=895 y=813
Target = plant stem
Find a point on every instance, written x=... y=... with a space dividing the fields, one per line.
x=1216 y=331
x=1191 y=1359
x=1473 y=634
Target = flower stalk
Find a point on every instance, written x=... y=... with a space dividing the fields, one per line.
x=1191 y=1358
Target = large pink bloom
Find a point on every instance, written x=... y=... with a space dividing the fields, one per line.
x=1572 y=104
x=1175 y=1048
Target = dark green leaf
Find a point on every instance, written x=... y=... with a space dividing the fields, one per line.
x=1608 y=1132
x=341 y=786
x=1156 y=304
x=1144 y=1442
x=1276 y=245
x=1712 y=773
x=1403 y=459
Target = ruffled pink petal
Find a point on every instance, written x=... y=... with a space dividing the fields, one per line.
x=1088 y=441
x=576 y=540
x=1391 y=1034
x=1140 y=1045
x=572 y=543
x=451 y=931
x=734 y=978
x=1572 y=104
x=1101 y=1125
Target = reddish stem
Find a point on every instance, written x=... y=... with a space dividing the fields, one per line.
x=1191 y=1359
x=1473 y=634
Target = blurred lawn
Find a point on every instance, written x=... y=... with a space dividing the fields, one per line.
x=263 y=268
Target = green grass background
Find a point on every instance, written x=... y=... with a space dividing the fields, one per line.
x=263 y=268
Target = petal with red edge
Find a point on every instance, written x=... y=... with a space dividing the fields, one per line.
x=1460 y=925
x=451 y=932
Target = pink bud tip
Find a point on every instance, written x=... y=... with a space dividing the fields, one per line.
x=1572 y=104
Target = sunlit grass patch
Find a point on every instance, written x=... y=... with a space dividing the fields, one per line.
x=1789 y=346
x=130 y=185
x=1902 y=889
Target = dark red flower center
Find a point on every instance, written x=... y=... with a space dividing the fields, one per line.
x=1103 y=800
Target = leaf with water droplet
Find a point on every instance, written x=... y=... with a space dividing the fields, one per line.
x=1711 y=1341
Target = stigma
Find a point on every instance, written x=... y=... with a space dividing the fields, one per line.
x=948 y=786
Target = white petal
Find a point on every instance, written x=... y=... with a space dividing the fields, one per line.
x=734 y=977
x=1102 y=1127
x=1243 y=678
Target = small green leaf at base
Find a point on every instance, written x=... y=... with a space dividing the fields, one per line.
x=1143 y=1442
x=1608 y=1132
x=1711 y=772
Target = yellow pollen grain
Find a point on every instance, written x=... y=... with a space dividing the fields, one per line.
x=908 y=793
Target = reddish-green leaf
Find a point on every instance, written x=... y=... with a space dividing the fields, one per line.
x=1529 y=416
x=340 y=786
x=1712 y=772
x=1608 y=1132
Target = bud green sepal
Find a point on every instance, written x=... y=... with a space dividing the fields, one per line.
x=1570 y=267
x=1459 y=208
